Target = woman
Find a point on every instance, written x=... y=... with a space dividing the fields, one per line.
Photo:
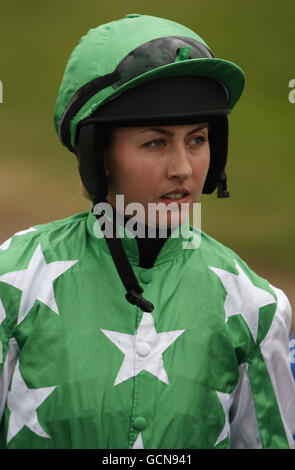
x=200 y=358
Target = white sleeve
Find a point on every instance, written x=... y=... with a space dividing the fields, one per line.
x=244 y=430
x=276 y=353
x=7 y=372
x=249 y=421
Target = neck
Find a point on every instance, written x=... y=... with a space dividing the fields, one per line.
x=149 y=239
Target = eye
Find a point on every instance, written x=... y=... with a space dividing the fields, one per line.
x=156 y=143
x=198 y=140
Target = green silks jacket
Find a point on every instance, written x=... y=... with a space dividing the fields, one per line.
x=83 y=368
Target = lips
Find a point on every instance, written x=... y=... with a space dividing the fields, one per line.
x=176 y=195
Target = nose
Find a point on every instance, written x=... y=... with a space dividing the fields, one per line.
x=179 y=165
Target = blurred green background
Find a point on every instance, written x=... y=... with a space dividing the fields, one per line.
x=39 y=180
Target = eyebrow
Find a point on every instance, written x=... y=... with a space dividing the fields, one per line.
x=170 y=133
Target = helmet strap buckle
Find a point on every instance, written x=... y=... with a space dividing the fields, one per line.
x=222 y=190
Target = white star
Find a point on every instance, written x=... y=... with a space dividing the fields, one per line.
x=36 y=282
x=23 y=403
x=143 y=350
x=243 y=297
x=226 y=401
x=138 y=444
x=6 y=244
x=2 y=312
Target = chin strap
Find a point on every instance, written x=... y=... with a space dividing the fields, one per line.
x=126 y=273
x=222 y=190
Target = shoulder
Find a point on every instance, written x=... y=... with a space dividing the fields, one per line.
x=18 y=249
x=246 y=294
x=220 y=256
x=30 y=261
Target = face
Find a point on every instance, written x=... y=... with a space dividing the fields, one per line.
x=158 y=164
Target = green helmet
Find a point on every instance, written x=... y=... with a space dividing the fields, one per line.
x=115 y=60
